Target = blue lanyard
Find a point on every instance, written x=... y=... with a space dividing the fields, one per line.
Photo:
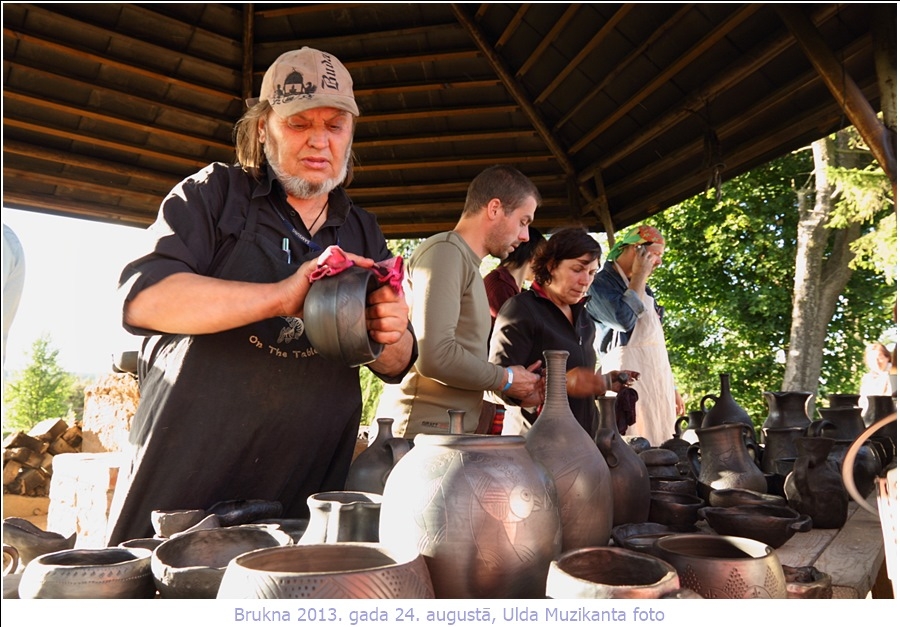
x=293 y=230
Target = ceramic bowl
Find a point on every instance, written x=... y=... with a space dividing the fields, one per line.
x=724 y=567
x=609 y=573
x=678 y=511
x=346 y=570
x=191 y=566
x=167 y=523
x=621 y=533
x=107 y=573
x=769 y=524
x=728 y=497
x=335 y=317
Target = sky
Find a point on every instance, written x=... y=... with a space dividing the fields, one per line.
x=72 y=268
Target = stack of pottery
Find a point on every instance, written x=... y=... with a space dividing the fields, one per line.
x=787 y=420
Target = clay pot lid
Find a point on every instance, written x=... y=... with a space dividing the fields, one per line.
x=659 y=457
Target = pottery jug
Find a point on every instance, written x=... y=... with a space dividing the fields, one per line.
x=815 y=487
x=725 y=409
x=779 y=443
x=843 y=400
x=581 y=475
x=370 y=469
x=342 y=516
x=686 y=426
x=867 y=463
x=787 y=409
x=480 y=510
x=843 y=423
x=630 y=480
x=722 y=458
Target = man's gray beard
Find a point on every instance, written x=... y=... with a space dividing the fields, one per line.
x=301 y=188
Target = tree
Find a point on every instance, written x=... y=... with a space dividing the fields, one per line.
x=843 y=199
x=42 y=390
x=727 y=283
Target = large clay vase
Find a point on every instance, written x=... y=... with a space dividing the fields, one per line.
x=630 y=478
x=480 y=510
x=581 y=475
x=814 y=487
x=787 y=409
x=725 y=409
x=722 y=459
x=370 y=469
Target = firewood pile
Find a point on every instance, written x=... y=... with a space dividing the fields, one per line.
x=28 y=457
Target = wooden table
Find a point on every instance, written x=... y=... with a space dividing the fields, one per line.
x=853 y=555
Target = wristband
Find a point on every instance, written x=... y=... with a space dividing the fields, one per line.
x=607 y=381
x=509 y=379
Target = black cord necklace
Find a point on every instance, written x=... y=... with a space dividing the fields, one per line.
x=321 y=211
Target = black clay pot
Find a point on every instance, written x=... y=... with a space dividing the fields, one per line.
x=769 y=524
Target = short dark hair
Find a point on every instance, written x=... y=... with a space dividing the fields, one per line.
x=568 y=243
x=503 y=182
x=526 y=251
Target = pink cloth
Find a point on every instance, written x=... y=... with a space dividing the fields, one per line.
x=333 y=260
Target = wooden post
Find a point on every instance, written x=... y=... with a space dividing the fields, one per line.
x=605 y=216
x=843 y=88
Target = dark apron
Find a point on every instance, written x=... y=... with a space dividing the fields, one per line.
x=250 y=413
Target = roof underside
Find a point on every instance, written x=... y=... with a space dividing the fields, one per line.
x=628 y=108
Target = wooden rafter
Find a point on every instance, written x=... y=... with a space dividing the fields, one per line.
x=589 y=47
x=516 y=91
x=674 y=68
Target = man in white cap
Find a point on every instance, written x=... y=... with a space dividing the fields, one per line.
x=236 y=404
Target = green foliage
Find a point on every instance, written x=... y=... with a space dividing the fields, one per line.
x=727 y=282
x=371 y=387
x=42 y=390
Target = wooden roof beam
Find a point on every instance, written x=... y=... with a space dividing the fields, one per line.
x=548 y=41
x=114 y=63
x=89 y=187
x=726 y=79
x=128 y=149
x=845 y=91
x=91 y=114
x=662 y=78
x=626 y=62
x=94 y=210
x=516 y=90
x=162 y=180
x=588 y=48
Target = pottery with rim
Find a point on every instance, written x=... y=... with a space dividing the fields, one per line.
x=106 y=573
x=609 y=573
x=724 y=567
x=191 y=566
x=771 y=524
x=347 y=570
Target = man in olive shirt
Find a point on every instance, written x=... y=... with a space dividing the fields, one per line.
x=449 y=309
